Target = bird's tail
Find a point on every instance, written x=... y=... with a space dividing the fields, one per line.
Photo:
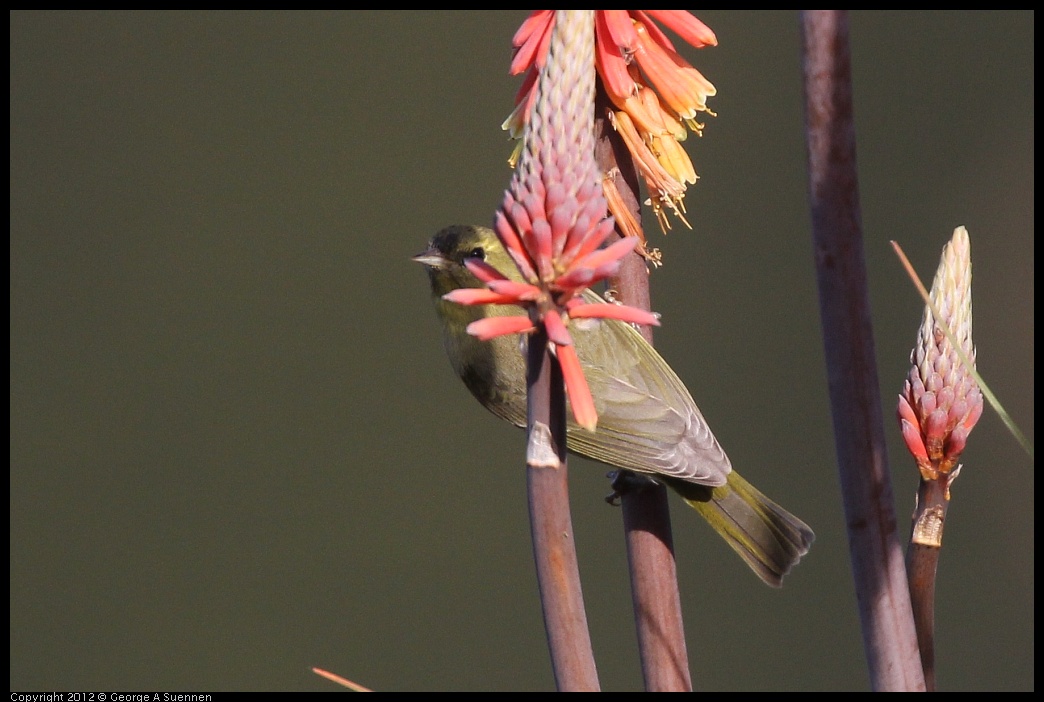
x=770 y=539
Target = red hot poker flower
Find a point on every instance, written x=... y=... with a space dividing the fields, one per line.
x=552 y=221
x=655 y=91
x=941 y=401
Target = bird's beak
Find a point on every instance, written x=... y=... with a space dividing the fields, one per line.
x=431 y=258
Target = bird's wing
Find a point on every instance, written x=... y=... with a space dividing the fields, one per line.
x=647 y=420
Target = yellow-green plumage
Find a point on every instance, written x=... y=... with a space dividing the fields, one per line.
x=647 y=420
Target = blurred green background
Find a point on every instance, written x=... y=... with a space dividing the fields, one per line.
x=237 y=449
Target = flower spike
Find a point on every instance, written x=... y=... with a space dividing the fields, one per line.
x=552 y=219
x=940 y=401
x=655 y=92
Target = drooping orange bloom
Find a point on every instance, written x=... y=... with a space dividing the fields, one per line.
x=657 y=95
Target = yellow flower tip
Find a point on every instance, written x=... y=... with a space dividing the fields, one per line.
x=663 y=186
x=515 y=154
x=515 y=122
x=673 y=158
x=663 y=120
x=637 y=108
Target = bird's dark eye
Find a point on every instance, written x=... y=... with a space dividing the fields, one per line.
x=477 y=252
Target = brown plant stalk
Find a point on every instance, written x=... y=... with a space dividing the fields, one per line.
x=885 y=613
x=554 y=548
x=646 y=514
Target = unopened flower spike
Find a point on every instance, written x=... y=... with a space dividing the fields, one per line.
x=553 y=217
x=656 y=96
x=940 y=401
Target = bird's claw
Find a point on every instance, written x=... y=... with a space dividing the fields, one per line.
x=624 y=481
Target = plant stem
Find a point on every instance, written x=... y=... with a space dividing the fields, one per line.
x=646 y=514
x=877 y=564
x=554 y=551
x=922 y=562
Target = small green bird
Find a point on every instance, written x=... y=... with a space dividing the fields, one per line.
x=647 y=420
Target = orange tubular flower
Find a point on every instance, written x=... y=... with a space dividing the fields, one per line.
x=647 y=81
x=553 y=217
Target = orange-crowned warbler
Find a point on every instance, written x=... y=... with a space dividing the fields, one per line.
x=647 y=420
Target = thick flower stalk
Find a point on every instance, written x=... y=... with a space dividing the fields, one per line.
x=553 y=218
x=940 y=401
x=656 y=94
